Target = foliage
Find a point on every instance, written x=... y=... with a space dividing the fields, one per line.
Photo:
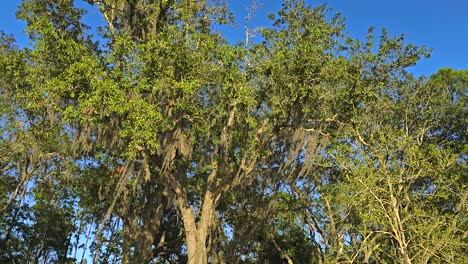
x=159 y=141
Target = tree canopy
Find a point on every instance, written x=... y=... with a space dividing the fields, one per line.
x=159 y=141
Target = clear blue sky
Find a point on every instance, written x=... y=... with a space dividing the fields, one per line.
x=438 y=24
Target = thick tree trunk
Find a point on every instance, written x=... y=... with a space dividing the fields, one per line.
x=196 y=245
x=198 y=255
x=150 y=232
x=126 y=241
x=196 y=234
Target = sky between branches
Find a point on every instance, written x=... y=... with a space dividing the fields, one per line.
x=441 y=25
